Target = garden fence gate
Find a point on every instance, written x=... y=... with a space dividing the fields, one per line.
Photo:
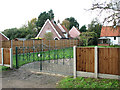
x=49 y=58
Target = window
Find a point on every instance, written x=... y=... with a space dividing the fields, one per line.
x=114 y=38
x=56 y=38
x=104 y=41
x=48 y=31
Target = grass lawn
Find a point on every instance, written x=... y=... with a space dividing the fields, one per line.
x=81 y=82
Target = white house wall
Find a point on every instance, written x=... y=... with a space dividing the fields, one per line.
x=118 y=40
x=114 y=42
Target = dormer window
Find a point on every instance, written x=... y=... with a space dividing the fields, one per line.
x=114 y=38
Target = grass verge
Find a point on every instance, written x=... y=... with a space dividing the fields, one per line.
x=4 y=68
x=81 y=82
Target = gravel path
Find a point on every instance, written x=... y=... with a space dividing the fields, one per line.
x=23 y=79
x=29 y=76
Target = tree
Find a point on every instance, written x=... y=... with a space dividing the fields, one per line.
x=48 y=36
x=32 y=24
x=66 y=23
x=83 y=28
x=43 y=17
x=85 y=37
x=51 y=14
x=31 y=28
x=73 y=22
x=95 y=26
x=110 y=6
x=15 y=33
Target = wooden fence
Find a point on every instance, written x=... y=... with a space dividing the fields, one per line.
x=85 y=59
x=99 y=62
x=6 y=57
x=48 y=43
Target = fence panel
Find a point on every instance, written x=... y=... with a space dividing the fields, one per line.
x=108 y=65
x=6 y=44
x=0 y=56
x=16 y=44
x=85 y=59
x=6 y=55
x=109 y=61
x=46 y=43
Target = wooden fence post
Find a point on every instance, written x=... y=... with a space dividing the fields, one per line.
x=33 y=43
x=96 y=62
x=74 y=61
x=2 y=56
x=11 y=43
x=11 y=58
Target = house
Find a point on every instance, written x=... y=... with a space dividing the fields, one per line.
x=3 y=37
x=74 y=32
x=109 y=36
x=59 y=31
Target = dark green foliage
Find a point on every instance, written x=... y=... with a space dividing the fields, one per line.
x=43 y=17
x=83 y=28
x=15 y=33
x=73 y=22
x=26 y=31
x=95 y=26
x=86 y=37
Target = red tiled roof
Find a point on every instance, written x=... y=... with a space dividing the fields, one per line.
x=58 y=30
x=63 y=26
x=110 y=31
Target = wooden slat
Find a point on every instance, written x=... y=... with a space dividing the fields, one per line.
x=6 y=55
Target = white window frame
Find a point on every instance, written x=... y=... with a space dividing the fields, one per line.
x=47 y=31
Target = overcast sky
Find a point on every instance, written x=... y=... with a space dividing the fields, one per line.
x=15 y=13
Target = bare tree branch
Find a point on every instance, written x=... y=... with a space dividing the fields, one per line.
x=112 y=7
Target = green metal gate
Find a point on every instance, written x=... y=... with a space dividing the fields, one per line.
x=45 y=57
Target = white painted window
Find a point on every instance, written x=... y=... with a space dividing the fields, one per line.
x=48 y=31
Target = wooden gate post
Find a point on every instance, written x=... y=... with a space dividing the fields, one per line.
x=74 y=61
